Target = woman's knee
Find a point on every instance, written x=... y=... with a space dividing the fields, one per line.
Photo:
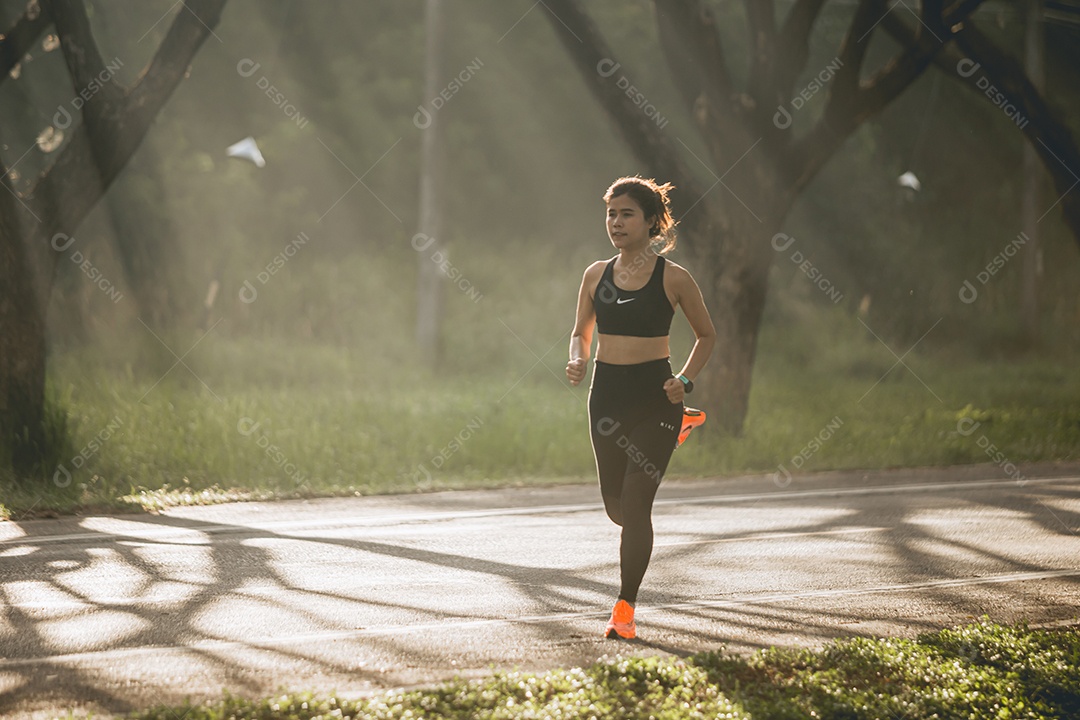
x=613 y=507
x=639 y=491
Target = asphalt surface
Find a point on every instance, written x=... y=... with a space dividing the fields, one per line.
x=113 y=614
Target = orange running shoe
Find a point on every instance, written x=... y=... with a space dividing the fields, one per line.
x=621 y=624
x=691 y=419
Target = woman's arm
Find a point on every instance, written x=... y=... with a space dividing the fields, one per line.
x=693 y=306
x=688 y=297
x=585 y=322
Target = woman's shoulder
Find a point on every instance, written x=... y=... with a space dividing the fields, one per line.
x=677 y=276
x=597 y=268
x=675 y=268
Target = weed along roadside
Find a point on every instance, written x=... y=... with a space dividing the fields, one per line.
x=982 y=670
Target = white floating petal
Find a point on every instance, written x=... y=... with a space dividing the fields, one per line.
x=247 y=149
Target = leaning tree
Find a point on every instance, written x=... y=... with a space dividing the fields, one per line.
x=36 y=222
x=757 y=162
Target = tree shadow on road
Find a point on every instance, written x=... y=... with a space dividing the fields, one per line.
x=46 y=648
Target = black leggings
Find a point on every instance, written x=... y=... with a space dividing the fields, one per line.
x=634 y=430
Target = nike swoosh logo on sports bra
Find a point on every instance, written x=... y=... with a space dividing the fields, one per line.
x=620 y=301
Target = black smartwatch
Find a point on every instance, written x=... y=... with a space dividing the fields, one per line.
x=688 y=384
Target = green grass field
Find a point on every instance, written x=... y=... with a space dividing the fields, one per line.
x=259 y=418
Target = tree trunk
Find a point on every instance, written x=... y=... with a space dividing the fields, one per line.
x=735 y=291
x=731 y=250
x=36 y=225
x=428 y=242
x=1031 y=270
x=22 y=351
x=146 y=242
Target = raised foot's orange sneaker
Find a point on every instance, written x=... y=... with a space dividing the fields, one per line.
x=621 y=623
x=691 y=419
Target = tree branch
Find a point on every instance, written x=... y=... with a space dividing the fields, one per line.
x=851 y=103
x=1050 y=138
x=77 y=42
x=691 y=45
x=810 y=153
x=89 y=78
x=935 y=30
x=599 y=69
x=853 y=51
x=793 y=43
x=887 y=83
x=97 y=151
x=191 y=27
x=20 y=38
x=761 y=23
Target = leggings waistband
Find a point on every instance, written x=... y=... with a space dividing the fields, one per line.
x=647 y=366
x=646 y=373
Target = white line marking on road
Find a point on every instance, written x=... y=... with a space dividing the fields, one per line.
x=280 y=526
x=456 y=626
x=773 y=536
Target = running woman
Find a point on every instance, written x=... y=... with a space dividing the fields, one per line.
x=635 y=403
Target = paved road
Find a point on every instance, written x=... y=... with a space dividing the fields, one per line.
x=110 y=614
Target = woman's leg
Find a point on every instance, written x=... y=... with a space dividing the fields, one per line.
x=607 y=414
x=648 y=450
x=611 y=462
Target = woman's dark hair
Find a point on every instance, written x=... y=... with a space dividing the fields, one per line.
x=654 y=203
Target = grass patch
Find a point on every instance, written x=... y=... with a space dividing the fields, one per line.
x=828 y=395
x=260 y=419
x=978 y=671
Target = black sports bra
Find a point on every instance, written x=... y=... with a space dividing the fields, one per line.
x=639 y=313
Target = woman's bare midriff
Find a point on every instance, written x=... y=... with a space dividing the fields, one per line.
x=630 y=350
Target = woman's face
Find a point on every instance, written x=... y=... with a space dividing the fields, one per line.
x=627 y=226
